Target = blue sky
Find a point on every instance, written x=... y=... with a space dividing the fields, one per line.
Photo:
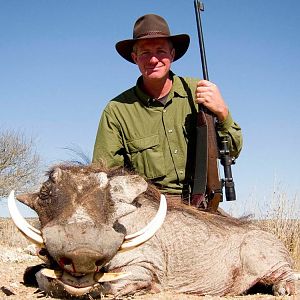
x=59 y=68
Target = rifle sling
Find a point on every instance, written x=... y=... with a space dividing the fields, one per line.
x=196 y=180
x=214 y=186
x=206 y=178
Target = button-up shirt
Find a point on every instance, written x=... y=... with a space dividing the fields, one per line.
x=154 y=138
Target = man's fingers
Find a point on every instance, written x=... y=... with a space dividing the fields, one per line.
x=205 y=83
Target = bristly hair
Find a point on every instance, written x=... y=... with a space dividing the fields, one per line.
x=152 y=192
x=78 y=157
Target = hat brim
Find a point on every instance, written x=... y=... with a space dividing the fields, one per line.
x=180 y=42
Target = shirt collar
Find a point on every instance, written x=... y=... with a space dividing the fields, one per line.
x=177 y=87
x=176 y=90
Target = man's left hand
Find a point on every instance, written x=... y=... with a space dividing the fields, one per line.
x=208 y=94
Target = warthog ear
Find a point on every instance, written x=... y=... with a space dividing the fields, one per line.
x=127 y=188
x=56 y=174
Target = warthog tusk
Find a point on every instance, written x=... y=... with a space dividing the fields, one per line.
x=54 y=274
x=98 y=277
x=143 y=235
x=147 y=227
x=29 y=231
x=106 y=277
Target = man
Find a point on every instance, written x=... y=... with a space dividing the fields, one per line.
x=151 y=126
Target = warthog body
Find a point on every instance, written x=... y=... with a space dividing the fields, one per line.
x=86 y=212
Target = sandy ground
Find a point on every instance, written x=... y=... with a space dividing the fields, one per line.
x=13 y=262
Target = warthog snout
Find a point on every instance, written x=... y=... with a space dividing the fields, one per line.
x=82 y=248
x=82 y=261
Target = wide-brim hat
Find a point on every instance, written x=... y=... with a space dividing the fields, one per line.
x=149 y=27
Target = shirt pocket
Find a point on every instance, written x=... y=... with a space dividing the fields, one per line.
x=147 y=156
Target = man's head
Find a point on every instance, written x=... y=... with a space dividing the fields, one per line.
x=152 y=27
x=153 y=57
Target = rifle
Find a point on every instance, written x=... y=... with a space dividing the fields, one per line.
x=206 y=180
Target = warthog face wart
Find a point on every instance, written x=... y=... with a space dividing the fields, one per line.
x=92 y=221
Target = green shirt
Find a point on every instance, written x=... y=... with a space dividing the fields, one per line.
x=156 y=139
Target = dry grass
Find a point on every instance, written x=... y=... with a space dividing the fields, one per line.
x=287 y=231
x=11 y=236
x=281 y=218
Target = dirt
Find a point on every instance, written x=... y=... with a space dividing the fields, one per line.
x=13 y=262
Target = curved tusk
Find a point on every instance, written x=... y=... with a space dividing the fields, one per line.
x=29 y=231
x=98 y=277
x=107 y=277
x=143 y=235
x=54 y=274
x=150 y=224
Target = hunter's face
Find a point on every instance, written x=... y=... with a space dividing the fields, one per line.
x=153 y=57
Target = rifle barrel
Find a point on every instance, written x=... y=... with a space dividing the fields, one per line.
x=198 y=5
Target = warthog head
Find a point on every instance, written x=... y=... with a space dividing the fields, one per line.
x=79 y=210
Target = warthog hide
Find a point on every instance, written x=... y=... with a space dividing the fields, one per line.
x=87 y=212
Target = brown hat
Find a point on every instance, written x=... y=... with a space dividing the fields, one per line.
x=153 y=26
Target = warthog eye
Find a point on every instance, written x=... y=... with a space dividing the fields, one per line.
x=45 y=191
x=118 y=227
x=100 y=262
x=43 y=252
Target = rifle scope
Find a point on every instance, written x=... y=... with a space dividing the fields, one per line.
x=227 y=161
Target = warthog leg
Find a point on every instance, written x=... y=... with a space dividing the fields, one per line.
x=283 y=288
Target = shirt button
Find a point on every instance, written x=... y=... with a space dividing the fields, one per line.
x=170 y=130
x=175 y=151
x=164 y=110
x=181 y=172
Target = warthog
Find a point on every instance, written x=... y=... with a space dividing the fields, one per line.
x=93 y=243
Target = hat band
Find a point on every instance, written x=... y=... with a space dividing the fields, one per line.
x=152 y=33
